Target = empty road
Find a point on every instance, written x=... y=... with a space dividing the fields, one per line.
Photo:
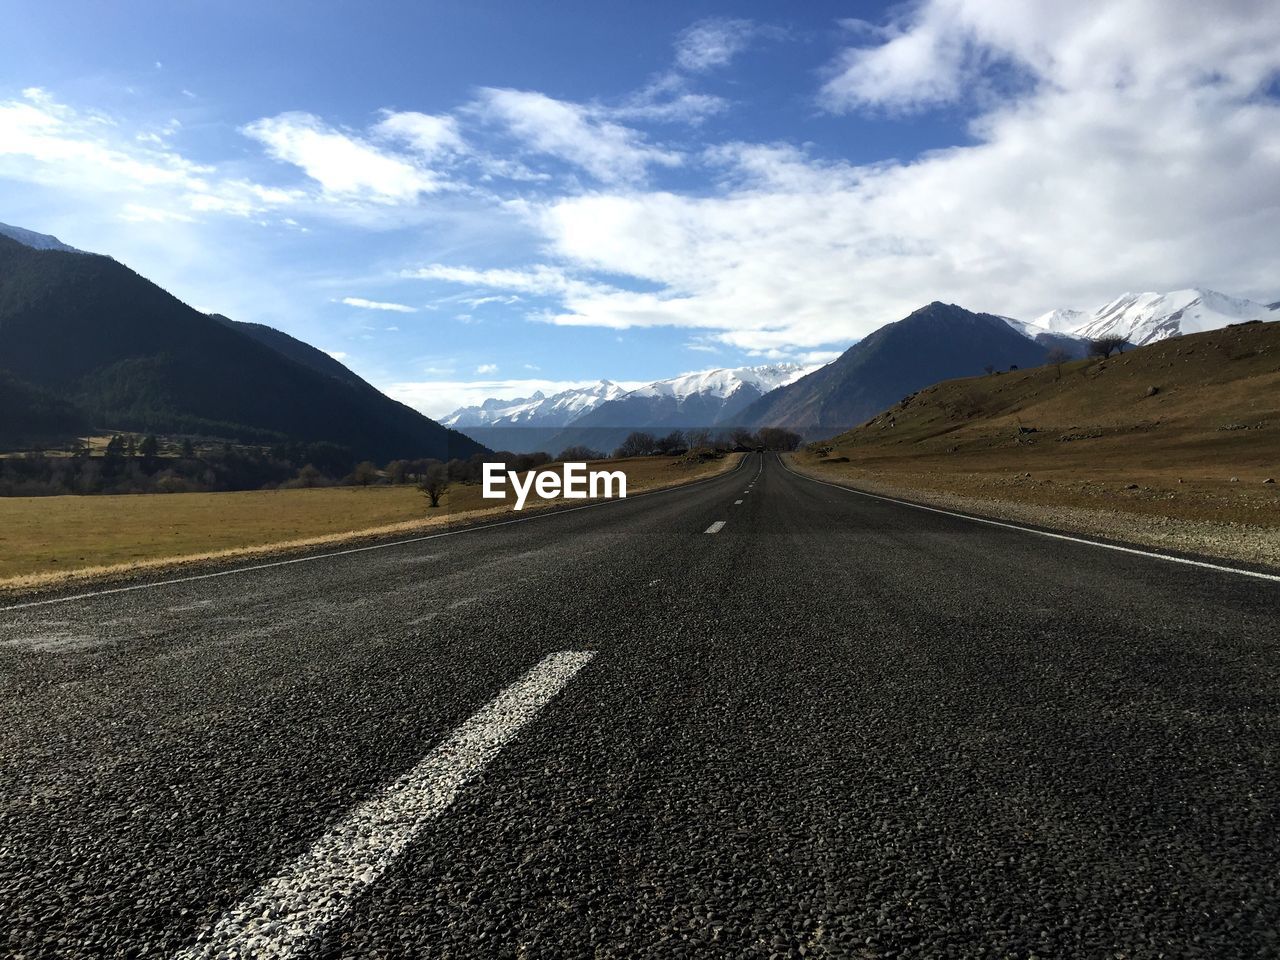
x=754 y=717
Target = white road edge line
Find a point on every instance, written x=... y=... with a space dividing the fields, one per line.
x=715 y=527
x=286 y=914
x=373 y=546
x=1044 y=533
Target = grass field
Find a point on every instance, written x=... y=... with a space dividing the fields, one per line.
x=44 y=540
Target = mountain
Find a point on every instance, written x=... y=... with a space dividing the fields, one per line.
x=133 y=357
x=527 y=424
x=28 y=413
x=36 y=241
x=1203 y=406
x=1062 y=320
x=1143 y=318
x=1075 y=345
x=704 y=399
x=937 y=342
x=538 y=410
x=293 y=348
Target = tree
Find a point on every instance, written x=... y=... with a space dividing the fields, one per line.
x=777 y=438
x=672 y=443
x=308 y=476
x=742 y=437
x=188 y=449
x=434 y=482
x=398 y=471
x=637 y=444
x=579 y=454
x=698 y=437
x=150 y=451
x=1106 y=345
x=115 y=448
x=1057 y=357
x=364 y=474
x=990 y=368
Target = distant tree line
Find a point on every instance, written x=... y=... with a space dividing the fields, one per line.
x=132 y=463
x=642 y=444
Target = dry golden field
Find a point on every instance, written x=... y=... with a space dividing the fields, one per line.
x=45 y=540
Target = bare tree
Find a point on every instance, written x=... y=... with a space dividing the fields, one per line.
x=698 y=437
x=434 y=482
x=579 y=454
x=990 y=368
x=776 y=438
x=1106 y=345
x=637 y=444
x=672 y=443
x=1057 y=357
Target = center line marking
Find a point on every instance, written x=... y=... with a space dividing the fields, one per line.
x=736 y=502
x=286 y=914
x=715 y=527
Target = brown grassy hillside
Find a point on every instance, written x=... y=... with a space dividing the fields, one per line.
x=1187 y=428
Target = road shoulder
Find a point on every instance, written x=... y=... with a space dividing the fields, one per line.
x=1257 y=547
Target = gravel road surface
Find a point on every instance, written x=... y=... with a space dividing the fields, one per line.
x=804 y=724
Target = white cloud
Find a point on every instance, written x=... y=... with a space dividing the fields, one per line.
x=577 y=134
x=1115 y=165
x=342 y=163
x=364 y=304
x=486 y=368
x=428 y=134
x=667 y=99
x=46 y=142
x=712 y=43
x=536 y=280
x=337 y=354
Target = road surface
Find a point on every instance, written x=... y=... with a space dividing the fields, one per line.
x=753 y=717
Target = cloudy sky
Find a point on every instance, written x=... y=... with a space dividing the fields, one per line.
x=466 y=198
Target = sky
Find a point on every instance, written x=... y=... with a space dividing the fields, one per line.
x=471 y=198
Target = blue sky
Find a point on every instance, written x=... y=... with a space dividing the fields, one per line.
x=465 y=199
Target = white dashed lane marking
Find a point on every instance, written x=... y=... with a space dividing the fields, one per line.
x=716 y=527
x=736 y=502
x=286 y=914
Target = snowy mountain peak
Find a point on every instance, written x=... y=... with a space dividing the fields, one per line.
x=536 y=410
x=37 y=241
x=1062 y=320
x=1147 y=317
x=724 y=382
x=1142 y=318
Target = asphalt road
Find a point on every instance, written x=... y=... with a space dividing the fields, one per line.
x=835 y=727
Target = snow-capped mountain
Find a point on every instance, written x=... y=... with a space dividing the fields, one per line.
x=1062 y=320
x=1048 y=337
x=37 y=241
x=724 y=383
x=538 y=410
x=706 y=399
x=1147 y=317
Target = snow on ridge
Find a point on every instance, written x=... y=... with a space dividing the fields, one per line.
x=537 y=409
x=1147 y=317
x=724 y=382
